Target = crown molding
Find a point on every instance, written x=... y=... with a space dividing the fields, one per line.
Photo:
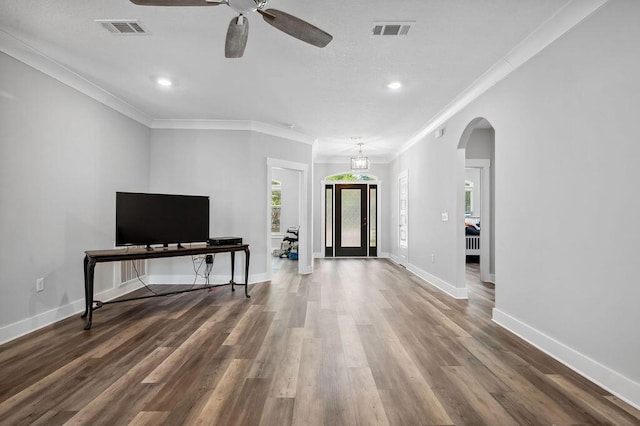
x=323 y=159
x=247 y=125
x=32 y=57
x=553 y=28
x=557 y=25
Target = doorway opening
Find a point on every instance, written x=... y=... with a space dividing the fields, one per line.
x=478 y=233
x=350 y=215
x=287 y=201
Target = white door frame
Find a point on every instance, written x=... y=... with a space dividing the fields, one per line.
x=305 y=264
x=485 y=215
x=324 y=183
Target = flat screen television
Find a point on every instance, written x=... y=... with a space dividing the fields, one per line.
x=146 y=219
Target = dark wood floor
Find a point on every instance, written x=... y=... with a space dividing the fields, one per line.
x=359 y=342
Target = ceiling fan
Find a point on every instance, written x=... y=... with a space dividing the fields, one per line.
x=238 y=30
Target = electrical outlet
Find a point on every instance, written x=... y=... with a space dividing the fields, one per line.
x=40 y=285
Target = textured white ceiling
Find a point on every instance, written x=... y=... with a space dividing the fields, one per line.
x=332 y=94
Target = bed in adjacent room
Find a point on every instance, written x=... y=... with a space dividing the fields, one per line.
x=472 y=235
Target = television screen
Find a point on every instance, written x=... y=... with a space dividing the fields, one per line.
x=145 y=219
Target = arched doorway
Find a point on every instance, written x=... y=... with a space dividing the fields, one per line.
x=478 y=212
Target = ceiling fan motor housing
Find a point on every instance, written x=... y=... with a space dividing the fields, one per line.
x=246 y=6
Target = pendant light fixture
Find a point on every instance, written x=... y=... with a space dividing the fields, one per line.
x=360 y=162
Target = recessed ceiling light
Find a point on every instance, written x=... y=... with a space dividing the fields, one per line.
x=394 y=85
x=164 y=82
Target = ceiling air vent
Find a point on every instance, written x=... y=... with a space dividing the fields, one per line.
x=391 y=28
x=123 y=27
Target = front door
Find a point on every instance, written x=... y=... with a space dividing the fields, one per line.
x=351 y=220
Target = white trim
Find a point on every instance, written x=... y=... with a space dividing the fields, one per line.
x=614 y=382
x=158 y=279
x=246 y=125
x=553 y=28
x=305 y=270
x=471 y=163
x=492 y=278
x=36 y=322
x=32 y=57
x=557 y=25
x=317 y=255
x=404 y=174
x=450 y=289
x=35 y=59
x=340 y=159
x=29 y=325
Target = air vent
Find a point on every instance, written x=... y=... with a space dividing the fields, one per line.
x=132 y=270
x=391 y=28
x=123 y=27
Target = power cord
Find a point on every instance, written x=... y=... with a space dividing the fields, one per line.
x=135 y=268
x=208 y=260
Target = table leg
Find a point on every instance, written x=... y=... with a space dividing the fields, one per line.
x=233 y=267
x=86 y=288
x=246 y=272
x=91 y=266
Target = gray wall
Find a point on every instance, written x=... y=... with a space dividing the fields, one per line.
x=230 y=167
x=62 y=158
x=565 y=135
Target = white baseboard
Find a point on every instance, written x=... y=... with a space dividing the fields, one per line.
x=318 y=255
x=36 y=322
x=603 y=376
x=157 y=279
x=304 y=270
x=492 y=278
x=451 y=290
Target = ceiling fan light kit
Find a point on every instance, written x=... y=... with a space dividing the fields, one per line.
x=238 y=30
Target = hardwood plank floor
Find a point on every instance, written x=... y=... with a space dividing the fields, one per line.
x=358 y=342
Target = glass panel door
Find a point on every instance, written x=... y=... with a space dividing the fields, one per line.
x=351 y=217
x=351 y=220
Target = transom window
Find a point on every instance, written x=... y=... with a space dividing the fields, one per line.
x=350 y=177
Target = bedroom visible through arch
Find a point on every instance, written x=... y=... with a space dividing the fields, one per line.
x=478 y=143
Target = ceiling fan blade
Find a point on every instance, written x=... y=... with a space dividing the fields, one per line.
x=237 y=35
x=177 y=2
x=296 y=27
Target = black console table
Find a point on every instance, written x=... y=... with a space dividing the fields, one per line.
x=98 y=256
